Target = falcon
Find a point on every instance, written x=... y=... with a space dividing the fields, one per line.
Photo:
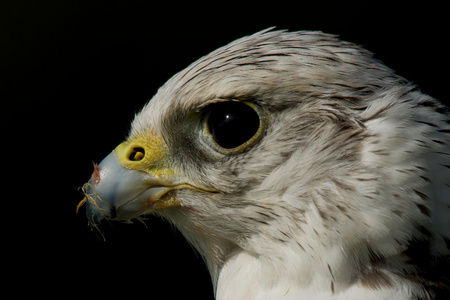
x=298 y=166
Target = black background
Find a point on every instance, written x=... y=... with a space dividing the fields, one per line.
x=74 y=73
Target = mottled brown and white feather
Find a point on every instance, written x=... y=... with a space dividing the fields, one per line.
x=345 y=196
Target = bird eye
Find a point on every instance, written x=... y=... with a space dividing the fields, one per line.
x=232 y=124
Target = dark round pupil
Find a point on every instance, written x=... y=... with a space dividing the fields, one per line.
x=232 y=123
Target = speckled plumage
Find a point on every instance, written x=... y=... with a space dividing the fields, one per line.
x=346 y=195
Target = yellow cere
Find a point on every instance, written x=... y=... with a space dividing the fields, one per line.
x=145 y=153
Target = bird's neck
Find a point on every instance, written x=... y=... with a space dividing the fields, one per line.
x=247 y=276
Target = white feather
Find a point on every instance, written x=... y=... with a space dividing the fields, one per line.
x=351 y=174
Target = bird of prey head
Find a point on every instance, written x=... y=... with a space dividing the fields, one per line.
x=299 y=166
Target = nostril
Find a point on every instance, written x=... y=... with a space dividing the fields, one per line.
x=137 y=154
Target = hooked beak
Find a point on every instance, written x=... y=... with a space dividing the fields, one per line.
x=117 y=193
x=133 y=180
